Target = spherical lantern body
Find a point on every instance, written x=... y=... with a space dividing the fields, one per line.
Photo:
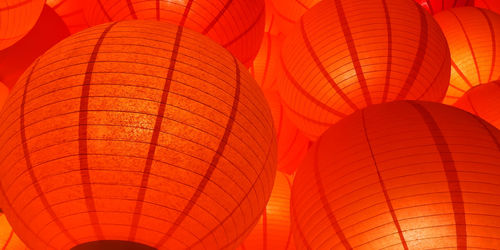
x=17 y=17
x=483 y=101
x=288 y=12
x=71 y=11
x=345 y=55
x=435 y=6
x=401 y=175
x=4 y=92
x=473 y=35
x=137 y=131
x=492 y=5
x=237 y=25
x=8 y=239
x=273 y=229
x=266 y=64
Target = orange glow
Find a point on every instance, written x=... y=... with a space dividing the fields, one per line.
x=401 y=175
x=435 y=6
x=138 y=131
x=483 y=101
x=473 y=37
x=8 y=239
x=71 y=11
x=17 y=17
x=344 y=55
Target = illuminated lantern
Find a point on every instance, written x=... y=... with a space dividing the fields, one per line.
x=238 y=25
x=344 y=55
x=292 y=144
x=273 y=229
x=266 y=64
x=401 y=175
x=141 y=132
x=8 y=239
x=473 y=36
x=17 y=17
x=48 y=31
x=71 y=11
x=483 y=101
x=435 y=6
x=288 y=12
x=4 y=92
x=493 y=5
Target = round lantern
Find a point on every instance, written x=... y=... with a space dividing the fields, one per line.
x=8 y=239
x=237 y=25
x=483 y=101
x=473 y=36
x=492 y=5
x=48 y=31
x=4 y=92
x=266 y=64
x=288 y=12
x=400 y=175
x=273 y=229
x=17 y=17
x=435 y=6
x=347 y=54
x=71 y=11
x=136 y=131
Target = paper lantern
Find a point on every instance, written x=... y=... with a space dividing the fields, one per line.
x=492 y=5
x=17 y=17
x=4 y=92
x=238 y=25
x=401 y=175
x=288 y=12
x=8 y=239
x=483 y=101
x=345 y=55
x=136 y=131
x=71 y=11
x=266 y=64
x=435 y=6
x=473 y=36
x=48 y=31
x=273 y=229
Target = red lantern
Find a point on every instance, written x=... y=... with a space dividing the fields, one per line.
x=344 y=55
x=238 y=25
x=71 y=11
x=8 y=239
x=273 y=229
x=4 y=92
x=137 y=131
x=492 y=5
x=401 y=175
x=17 y=17
x=473 y=36
x=482 y=100
x=435 y=6
x=266 y=64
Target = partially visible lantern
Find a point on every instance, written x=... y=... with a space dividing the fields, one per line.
x=238 y=25
x=493 y=5
x=8 y=239
x=136 y=131
x=483 y=101
x=266 y=64
x=17 y=17
x=288 y=12
x=4 y=92
x=273 y=229
x=71 y=12
x=401 y=175
x=435 y=6
x=473 y=36
x=344 y=55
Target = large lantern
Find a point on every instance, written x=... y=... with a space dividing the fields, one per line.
x=8 y=239
x=401 y=175
x=347 y=54
x=435 y=6
x=136 y=131
x=483 y=101
x=17 y=17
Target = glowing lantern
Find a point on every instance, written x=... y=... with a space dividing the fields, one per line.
x=266 y=64
x=401 y=175
x=136 y=131
x=288 y=12
x=48 y=31
x=347 y=54
x=473 y=36
x=435 y=6
x=17 y=17
x=493 y=5
x=482 y=100
x=238 y=25
x=71 y=11
x=8 y=239
x=4 y=92
x=273 y=229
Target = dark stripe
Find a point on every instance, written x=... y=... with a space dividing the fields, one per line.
x=493 y=43
x=430 y=6
x=264 y=229
x=382 y=185
x=454 y=4
x=83 y=136
x=6 y=243
x=389 y=52
x=213 y=163
x=104 y=11
x=487 y=127
x=157 y=10
x=352 y=50
x=460 y=73
x=471 y=104
x=157 y=128
x=131 y=9
x=302 y=4
x=324 y=200
x=259 y=17
x=437 y=75
x=469 y=44
x=451 y=174
x=419 y=57
x=293 y=214
x=17 y=5
x=217 y=17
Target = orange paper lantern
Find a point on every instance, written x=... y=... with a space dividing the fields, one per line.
x=273 y=229
x=435 y=6
x=288 y=12
x=401 y=175
x=71 y=11
x=347 y=54
x=493 y=5
x=138 y=131
x=238 y=25
x=266 y=64
x=483 y=101
x=8 y=239
x=473 y=36
x=17 y=17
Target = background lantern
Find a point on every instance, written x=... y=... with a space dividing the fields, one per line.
x=137 y=131
x=216 y=19
x=4 y=92
x=288 y=12
x=71 y=12
x=8 y=239
x=266 y=64
x=492 y=5
x=273 y=229
x=435 y=6
x=345 y=55
x=473 y=35
x=406 y=174
x=17 y=17
x=482 y=100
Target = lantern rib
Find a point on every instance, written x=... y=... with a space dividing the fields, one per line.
x=217 y=17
